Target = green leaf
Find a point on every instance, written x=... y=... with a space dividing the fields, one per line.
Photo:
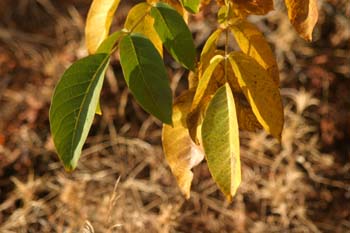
x=146 y=76
x=220 y=136
x=191 y=5
x=73 y=106
x=108 y=44
x=175 y=34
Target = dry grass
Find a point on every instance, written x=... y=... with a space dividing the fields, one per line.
x=122 y=183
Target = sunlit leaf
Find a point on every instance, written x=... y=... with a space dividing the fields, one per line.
x=74 y=104
x=175 y=34
x=208 y=51
x=195 y=119
x=146 y=76
x=303 y=14
x=181 y=153
x=98 y=22
x=205 y=79
x=220 y=135
x=252 y=42
x=206 y=87
x=261 y=92
x=139 y=20
x=191 y=5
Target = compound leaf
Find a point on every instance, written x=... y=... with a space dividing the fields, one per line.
x=146 y=76
x=98 y=22
x=175 y=34
x=74 y=104
x=252 y=42
x=261 y=92
x=139 y=20
x=220 y=135
x=303 y=14
x=181 y=153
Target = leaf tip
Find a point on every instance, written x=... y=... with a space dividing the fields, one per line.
x=70 y=166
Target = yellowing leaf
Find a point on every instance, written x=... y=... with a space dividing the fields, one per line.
x=303 y=14
x=220 y=135
x=252 y=42
x=209 y=50
x=245 y=116
x=195 y=118
x=221 y=78
x=261 y=92
x=98 y=109
x=98 y=22
x=206 y=87
x=255 y=7
x=180 y=151
x=140 y=21
x=204 y=81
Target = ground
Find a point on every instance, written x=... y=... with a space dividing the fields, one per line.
x=123 y=184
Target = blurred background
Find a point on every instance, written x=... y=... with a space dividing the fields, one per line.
x=300 y=185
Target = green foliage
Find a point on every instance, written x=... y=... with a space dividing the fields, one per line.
x=191 y=5
x=74 y=104
x=146 y=75
x=174 y=34
x=229 y=90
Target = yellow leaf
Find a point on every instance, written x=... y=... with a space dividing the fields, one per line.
x=252 y=42
x=261 y=92
x=245 y=116
x=206 y=87
x=203 y=83
x=303 y=14
x=255 y=7
x=139 y=20
x=220 y=76
x=98 y=108
x=195 y=118
x=180 y=151
x=98 y=22
x=208 y=50
x=220 y=135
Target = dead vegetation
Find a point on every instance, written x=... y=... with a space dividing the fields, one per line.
x=123 y=184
